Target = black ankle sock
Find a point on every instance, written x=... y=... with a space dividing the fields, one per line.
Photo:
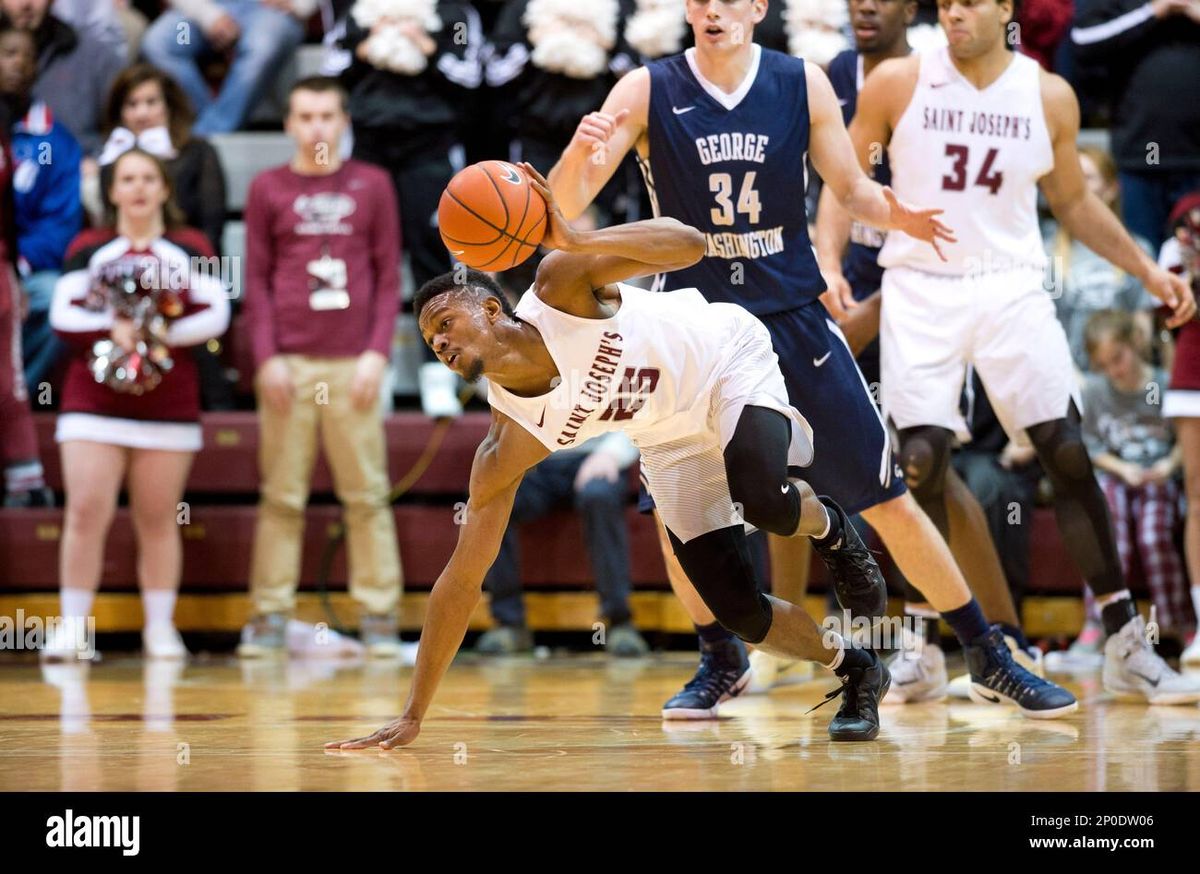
x=1117 y=615
x=854 y=657
x=1015 y=633
x=835 y=528
x=933 y=634
x=967 y=621
x=713 y=635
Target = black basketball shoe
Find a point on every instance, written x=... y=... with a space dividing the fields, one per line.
x=862 y=689
x=997 y=679
x=857 y=580
x=724 y=673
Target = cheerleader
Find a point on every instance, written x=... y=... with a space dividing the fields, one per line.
x=131 y=297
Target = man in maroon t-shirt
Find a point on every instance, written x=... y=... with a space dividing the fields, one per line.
x=322 y=293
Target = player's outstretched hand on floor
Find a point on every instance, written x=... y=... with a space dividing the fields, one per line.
x=919 y=223
x=400 y=732
x=1173 y=290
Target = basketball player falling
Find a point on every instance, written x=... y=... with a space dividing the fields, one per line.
x=722 y=132
x=696 y=386
x=975 y=128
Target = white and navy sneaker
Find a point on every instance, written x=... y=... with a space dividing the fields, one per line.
x=724 y=673
x=918 y=671
x=996 y=678
x=1031 y=659
x=768 y=672
x=1133 y=670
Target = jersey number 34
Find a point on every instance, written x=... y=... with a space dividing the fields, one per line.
x=957 y=180
x=721 y=184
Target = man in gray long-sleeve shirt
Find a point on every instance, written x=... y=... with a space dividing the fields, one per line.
x=75 y=71
x=260 y=33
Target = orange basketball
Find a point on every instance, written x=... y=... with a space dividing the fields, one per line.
x=490 y=217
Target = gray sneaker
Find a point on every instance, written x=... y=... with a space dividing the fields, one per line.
x=264 y=635
x=624 y=641
x=380 y=637
x=505 y=640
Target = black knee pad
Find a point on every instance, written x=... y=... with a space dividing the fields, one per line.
x=1061 y=449
x=719 y=565
x=924 y=454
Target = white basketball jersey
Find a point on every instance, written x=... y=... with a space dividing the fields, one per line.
x=977 y=155
x=649 y=370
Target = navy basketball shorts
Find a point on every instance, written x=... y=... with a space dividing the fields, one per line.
x=853 y=459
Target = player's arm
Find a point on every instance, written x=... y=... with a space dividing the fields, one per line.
x=834 y=156
x=833 y=233
x=1087 y=218
x=601 y=142
x=583 y=261
x=500 y=462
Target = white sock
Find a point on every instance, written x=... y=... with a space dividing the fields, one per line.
x=840 y=654
x=76 y=603
x=828 y=524
x=1103 y=601
x=158 y=606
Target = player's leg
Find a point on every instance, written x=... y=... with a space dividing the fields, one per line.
x=1024 y=361
x=1131 y=666
x=724 y=668
x=922 y=377
x=1188 y=430
x=719 y=565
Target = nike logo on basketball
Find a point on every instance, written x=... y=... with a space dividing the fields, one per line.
x=543 y=418
x=817 y=362
x=678 y=111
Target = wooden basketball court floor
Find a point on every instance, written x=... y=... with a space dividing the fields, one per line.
x=567 y=723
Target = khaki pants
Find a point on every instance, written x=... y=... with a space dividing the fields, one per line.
x=353 y=443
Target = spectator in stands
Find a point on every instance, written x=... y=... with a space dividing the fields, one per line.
x=147 y=108
x=1043 y=25
x=592 y=479
x=555 y=61
x=406 y=85
x=1003 y=475
x=46 y=208
x=101 y=20
x=131 y=289
x=1133 y=448
x=259 y=35
x=1181 y=404
x=413 y=65
x=1152 y=54
x=24 y=484
x=321 y=298
x=74 y=72
x=1081 y=282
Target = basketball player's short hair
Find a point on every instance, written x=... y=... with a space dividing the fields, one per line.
x=320 y=85
x=477 y=282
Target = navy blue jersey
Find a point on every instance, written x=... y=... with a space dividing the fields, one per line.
x=735 y=169
x=861 y=264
